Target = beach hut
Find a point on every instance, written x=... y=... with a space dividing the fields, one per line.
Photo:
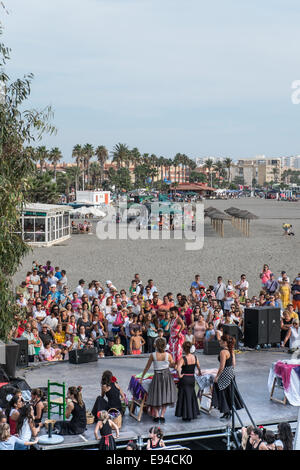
x=45 y=224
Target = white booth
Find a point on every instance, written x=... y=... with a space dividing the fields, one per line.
x=45 y=224
x=93 y=197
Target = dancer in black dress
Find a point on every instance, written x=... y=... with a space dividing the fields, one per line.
x=187 y=406
x=112 y=391
x=106 y=426
x=224 y=380
x=76 y=408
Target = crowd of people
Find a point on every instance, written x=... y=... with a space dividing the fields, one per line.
x=118 y=322
x=128 y=322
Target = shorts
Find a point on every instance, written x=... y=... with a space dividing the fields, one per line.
x=136 y=351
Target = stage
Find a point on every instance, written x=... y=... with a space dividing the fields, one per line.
x=252 y=372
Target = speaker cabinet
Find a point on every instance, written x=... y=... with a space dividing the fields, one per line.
x=234 y=331
x=211 y=347
x=22 y=360
x=274 y=325
x=80 y=356
x=256 y=326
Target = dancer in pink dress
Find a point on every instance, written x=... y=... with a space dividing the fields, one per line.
x=176 y=337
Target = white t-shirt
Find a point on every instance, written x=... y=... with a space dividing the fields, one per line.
x=219 y=290
x=52 y=280
x=110 y=320
x=51 y=322
x=79 y=291
x=33 y=279
x=25 y=433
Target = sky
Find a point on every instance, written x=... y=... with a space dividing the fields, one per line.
x=191 y=76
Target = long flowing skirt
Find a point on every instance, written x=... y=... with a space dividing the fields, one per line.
x=175 y=347
x=162 y=390
x=187 y=405
x=222 y=399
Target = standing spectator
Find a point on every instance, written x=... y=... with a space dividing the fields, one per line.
x=265 y=275
x=219 y=290
x=31 y=342
x=35 y=281
x=80 y=288
x=271 y=285
x=296 y=294
x=243 y=285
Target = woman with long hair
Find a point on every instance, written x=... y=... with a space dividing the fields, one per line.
x=26 y=428
x=37 y=404
x=76 y=409
x=162 y=390
x=187 y=406
x=13 y=412
x=110 y=390
x=224 y=380
x=176 y=339
x=284 y=437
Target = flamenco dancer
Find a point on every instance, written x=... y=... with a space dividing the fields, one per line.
x=224 y=380
x=187 y=405
x=162 y=391
x=176 y=337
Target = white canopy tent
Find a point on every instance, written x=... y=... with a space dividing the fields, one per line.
x=88 y=210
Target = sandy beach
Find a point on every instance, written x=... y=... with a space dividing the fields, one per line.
x=170 y=266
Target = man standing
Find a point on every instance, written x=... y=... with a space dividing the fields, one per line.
x=242 y=284
x=219 y=290
x=272 y=285
x=35 y=280
x=296 y=294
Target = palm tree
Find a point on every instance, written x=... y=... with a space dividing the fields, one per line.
x=209 y=165
x=95 y=173
x=77 y=153
x=42 y=155
x=120 y=154
x=88 y=152
x=102 y=155
x=55 y=156
x=228 y=164
x=219 y=166
x=191 y=164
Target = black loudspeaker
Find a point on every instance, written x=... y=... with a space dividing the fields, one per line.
x=273 y=325
x=3 y=376
x=80 y=356
x=211 y=347
x=256 y=326
x=22 y=360
x=234 y=331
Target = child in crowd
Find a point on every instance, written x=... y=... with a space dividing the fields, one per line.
x=210 y=332
x=191 y=338
x=136 y=343
x=155 y=438
x=118 y=348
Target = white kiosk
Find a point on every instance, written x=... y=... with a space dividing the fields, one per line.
x=45 y=224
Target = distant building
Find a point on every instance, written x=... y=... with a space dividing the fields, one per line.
x=93 y=197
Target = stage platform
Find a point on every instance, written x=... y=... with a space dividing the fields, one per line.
x=252 y=372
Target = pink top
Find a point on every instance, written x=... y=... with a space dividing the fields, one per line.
x=265 y=276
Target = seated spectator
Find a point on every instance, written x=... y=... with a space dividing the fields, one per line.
x=48 y=353
x=210 y=333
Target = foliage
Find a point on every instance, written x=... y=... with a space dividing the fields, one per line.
x=43 y=189
x=19 y=127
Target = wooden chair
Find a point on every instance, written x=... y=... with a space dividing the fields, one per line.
x=277 y=383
